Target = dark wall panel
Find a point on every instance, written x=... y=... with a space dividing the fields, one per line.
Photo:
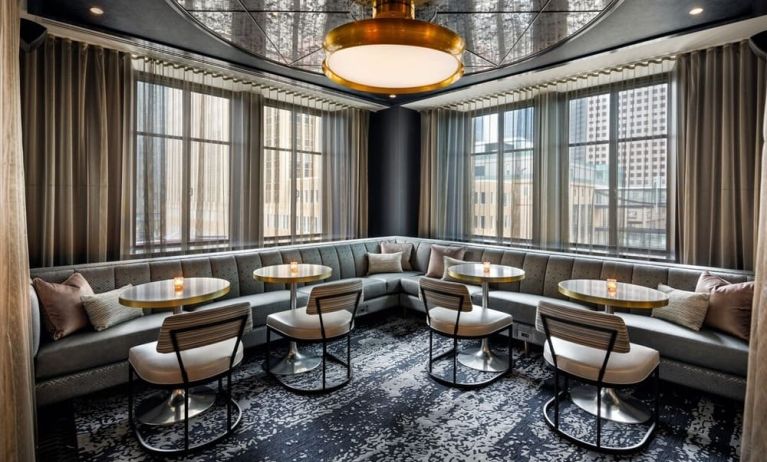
x=394 y=169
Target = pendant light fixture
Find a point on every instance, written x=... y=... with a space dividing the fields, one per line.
x=393 y=53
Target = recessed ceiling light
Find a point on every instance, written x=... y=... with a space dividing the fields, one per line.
x=96 y=10
x=392 y=96
x=696 y=11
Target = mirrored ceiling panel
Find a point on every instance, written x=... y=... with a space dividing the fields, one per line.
x=497 y=32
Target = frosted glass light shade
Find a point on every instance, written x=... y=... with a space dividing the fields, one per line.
x=393 y=66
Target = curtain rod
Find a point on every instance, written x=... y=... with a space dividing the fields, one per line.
x=133 y=46
x=560 y=81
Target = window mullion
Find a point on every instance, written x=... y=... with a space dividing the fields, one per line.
x=613 y=173
x=186 y=158
x=499 y=180
x=293 y=176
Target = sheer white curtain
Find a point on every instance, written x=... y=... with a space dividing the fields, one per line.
x=186 y=160
x=444 y=197
x=580 y=164
x=344 y=179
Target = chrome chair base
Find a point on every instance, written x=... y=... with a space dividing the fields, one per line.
x=194 y=446
x=597 y=444
x=168 y=409
x=269 y=365
x=500 y=360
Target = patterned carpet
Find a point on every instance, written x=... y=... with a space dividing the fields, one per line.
x=393 y=411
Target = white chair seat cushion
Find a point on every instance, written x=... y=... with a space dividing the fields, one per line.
x=200 y=363
x=298 y=324
x=474 y=323
x=585 y=362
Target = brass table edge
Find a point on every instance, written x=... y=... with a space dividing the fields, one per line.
x=480 y=279
x=288 y=280
x=176 y=302
x=611 y=301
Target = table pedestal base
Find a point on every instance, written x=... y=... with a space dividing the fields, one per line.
x=295 y=362
x=164 y=409
x=483 y=359
x=614 y=407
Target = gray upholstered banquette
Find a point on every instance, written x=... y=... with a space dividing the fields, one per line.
x=89 y=361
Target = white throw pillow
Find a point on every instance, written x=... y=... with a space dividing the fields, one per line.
x=104 y=310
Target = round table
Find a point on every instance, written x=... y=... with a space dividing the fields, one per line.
x=162 y=409
x=483 y=358
x=294 y=362
x=614 y=406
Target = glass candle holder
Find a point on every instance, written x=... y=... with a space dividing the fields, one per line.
x=178 y=283
x=294 y=267
x=612 y=286
x=486 y=266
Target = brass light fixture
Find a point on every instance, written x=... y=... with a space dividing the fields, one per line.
x=393 y=53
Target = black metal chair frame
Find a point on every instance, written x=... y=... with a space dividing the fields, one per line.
x=454 y=350
x=187 y=385
x=600 y=384
x=325 y=353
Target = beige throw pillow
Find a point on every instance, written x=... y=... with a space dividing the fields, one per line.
x=104 y=310
x=448 y=262
x=437 y=259
x=384 y=263
x=405 y=247
x=729 y=305
x=688 y=309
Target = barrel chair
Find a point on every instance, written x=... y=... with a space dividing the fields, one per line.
x=450 y=313
x=192 y=349
x=594 y=348
x=327 y=317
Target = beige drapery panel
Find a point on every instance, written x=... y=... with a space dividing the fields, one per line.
x=74 y=98
x=16 y=379
x=720 y=95
x=245 y=191
x=345 y=172
x=754 y=444
x=445 y=138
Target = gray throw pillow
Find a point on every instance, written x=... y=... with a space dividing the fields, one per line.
x=405 y=247
x=688 y=309
x=437 y=259
x=448 y=262
x=384 y=263
x=104 y=310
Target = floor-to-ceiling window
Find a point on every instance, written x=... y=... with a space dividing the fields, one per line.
x=618 y=167
x=181 y=190
x=292 y=174
x=501 y=175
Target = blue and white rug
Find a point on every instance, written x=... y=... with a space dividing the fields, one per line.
x=393 y=411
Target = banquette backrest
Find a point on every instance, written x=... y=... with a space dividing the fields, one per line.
x=544 y=270
x=347 y=259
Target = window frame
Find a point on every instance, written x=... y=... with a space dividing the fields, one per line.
x=500 y=153
x=294 y=110
x=185 y=242
x=613 y=141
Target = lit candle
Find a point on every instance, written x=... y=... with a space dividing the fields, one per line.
x=294 y=267
x=486 y=266
x=178 y=283
x=612 y=286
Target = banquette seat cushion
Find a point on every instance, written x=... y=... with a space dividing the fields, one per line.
x=706 y=348
x=264 y=304
x=519 y=305
x=89 y=349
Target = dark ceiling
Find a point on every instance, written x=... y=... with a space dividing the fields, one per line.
x=629 y=21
